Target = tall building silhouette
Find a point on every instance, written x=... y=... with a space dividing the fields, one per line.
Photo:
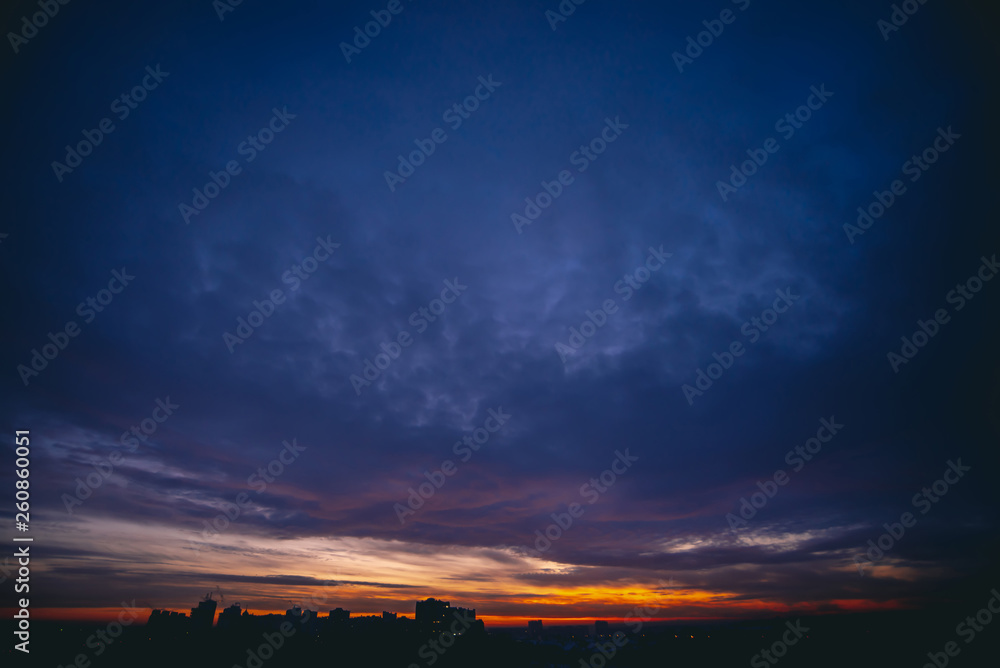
x=203 y=616
x=432 y=614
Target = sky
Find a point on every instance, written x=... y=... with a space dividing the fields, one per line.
x=635 y=235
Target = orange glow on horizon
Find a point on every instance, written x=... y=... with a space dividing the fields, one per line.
x=350 y=573
x=741 y=612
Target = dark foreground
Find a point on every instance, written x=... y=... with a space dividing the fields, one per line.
x=886 y=640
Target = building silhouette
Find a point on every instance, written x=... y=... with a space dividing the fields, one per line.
x=602 y=628
x=465 y=613
x=168 y=622
x=203 y=617
x=535 y=628
x=432 y=615
x=231 y=617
